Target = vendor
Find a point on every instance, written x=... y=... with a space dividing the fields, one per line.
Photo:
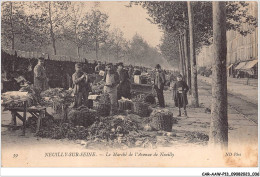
x=159 y=82
x=40 y=77
x=111 y=79
x=98 y=68
x=81 y=86
x=124 y=87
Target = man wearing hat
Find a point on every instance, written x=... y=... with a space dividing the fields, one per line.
x=124 y=87
x=159 y=82
x=81 y=86
x=111 y=79
x=40 y=77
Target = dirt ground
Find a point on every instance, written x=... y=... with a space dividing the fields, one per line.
x=242 y=131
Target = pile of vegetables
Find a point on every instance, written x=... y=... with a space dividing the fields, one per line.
x=56 y=129
x=58 y=95
x=82 y=116
x=98 y=87
x=110 y=128
x=16 y=98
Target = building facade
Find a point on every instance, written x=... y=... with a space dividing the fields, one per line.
x=239 y=48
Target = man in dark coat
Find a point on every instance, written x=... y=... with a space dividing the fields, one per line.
x=159 y=82
x=81 y=86
x=180 y=90
x=124 y=87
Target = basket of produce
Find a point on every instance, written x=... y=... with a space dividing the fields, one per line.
x=102 y=109
x=162 y=119
x=103 y=106
x=147 y=98
x=141 y=108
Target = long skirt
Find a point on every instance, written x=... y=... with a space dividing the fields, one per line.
x=112 y=91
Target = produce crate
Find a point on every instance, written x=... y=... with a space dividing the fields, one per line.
x=141 y=109
x=125 y=105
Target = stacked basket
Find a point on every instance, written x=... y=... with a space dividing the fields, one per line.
x=162 y=119
x=103 y=106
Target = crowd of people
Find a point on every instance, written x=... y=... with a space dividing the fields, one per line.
x=117 y=79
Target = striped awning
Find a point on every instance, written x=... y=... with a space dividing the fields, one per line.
x=241 y=65
x=249 y=65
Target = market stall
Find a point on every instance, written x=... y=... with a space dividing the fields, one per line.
x=22 y=102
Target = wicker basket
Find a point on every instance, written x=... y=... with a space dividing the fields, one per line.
x=102 y=109
x=161 y=121
x=125 y=105
x=141 y=109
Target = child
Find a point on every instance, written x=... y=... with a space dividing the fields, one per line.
x=180 y=90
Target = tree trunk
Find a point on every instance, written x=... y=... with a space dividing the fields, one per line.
x=219 y=120
x=51 y=30
x=78 y=51
x=181 y=63
x=12 y=26
x=187 y=58
x=97 y=50
x=183 y=59
x=194 y=84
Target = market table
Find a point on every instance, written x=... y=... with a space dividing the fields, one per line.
x=39 y=112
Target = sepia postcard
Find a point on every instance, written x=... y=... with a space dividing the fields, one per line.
x=129 y=84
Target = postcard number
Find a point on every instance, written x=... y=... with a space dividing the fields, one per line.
x=15 y=155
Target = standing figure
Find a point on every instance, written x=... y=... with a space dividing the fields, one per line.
x=124 y=87
x=98 y=67
x=81 y=86
x=159 y=82
x=40 y=77
x=180 y=90
x=111 y=79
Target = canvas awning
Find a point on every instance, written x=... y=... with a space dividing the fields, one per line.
x=229 y=66
x=241 y=65
x=250 y=64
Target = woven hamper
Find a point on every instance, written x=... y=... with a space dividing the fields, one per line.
x=162 y=121
x=141 y=109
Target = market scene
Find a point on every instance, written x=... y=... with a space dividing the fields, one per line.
x=80 y=79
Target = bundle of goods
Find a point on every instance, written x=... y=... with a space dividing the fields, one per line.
x=98 y=87
x=57 y=96
x=82 y=116
x=162 y=119
x=125 y=104
x=16 y=99
x=103 y=106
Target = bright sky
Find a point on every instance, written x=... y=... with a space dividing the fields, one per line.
x=131 y=21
